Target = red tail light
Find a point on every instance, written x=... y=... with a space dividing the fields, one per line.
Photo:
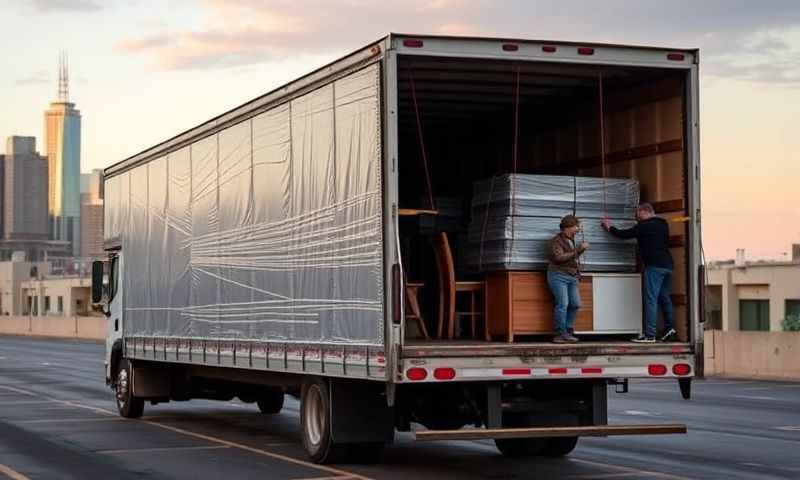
x=557 y=371
x=549 y=49
x=676 y=57
x=510 y=47
x=516 y=371
x=585 y=51
x=681 y=369
x=592 y=370
x=657 y=370
x=412 y=43
x=416 y=374
x=444 y=374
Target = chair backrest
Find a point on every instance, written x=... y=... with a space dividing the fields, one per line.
x=447 y=285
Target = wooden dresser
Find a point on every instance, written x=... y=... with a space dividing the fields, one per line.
x=520 y=303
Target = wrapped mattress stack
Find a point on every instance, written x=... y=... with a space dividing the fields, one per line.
x=515 y=216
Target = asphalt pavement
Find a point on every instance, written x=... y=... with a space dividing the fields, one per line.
x=58 y=421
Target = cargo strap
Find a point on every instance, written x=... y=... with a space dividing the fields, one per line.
x=422 y=141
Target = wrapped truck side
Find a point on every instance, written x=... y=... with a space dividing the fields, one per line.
x=302 y=243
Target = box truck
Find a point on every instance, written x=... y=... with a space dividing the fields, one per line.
x=264 y=253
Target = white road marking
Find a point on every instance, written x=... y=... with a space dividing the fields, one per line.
x=11 y=473
x=17 y=390
x=790 y=428
x=627 y=469
x=70 y=420
x=163 y=449
x=754 y=397
x=638 y=413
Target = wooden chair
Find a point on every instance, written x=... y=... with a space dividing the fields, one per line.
x=449 y=289
x=413 y=311
x=474 y=290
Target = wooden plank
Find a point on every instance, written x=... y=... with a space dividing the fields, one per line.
x=678 y=299
x=622 y=155
x=498 y=303
x=584 y=321
x=411 y=212
x=677 y=241
x=669 y=206
x=550 y=432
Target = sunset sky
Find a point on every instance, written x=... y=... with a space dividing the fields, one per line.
x=142 y=71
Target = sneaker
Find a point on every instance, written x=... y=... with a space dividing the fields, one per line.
x=670 y=336
x=644 y=339
x=571 y=338
x=561 y=339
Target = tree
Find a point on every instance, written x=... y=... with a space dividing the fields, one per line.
x=791 y=323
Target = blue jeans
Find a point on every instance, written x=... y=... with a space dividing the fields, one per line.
x=657 y=290
x=566 y=301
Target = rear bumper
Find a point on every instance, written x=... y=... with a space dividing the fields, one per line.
x=509 y=368
x=549 y=432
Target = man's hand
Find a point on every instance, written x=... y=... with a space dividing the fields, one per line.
x=583 y=247
x=606 y=223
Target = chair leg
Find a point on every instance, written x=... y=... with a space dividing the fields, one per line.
x=472 y=314
x=413 y=304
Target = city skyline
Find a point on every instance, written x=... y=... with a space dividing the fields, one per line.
x=147 y=75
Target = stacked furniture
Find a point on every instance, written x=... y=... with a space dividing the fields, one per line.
x=515 y=216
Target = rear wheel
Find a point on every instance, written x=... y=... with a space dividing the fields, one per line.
x=519 y=447
x=365 y=452
x=127 y=405
x=315 y=422
x=559 y=447
x=271 y=401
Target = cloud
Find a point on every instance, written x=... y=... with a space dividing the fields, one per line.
x=66 y=5
x=38 y=77
x=459 y=29
x=235 y=33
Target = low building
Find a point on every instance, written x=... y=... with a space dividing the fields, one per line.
x=12 y=275
x=57 y=296
x=753 y=296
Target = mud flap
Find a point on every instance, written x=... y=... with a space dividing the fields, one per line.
x=360 y=413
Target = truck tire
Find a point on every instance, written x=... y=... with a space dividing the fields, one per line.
x=271 y=401
x=127 y=405
x=315 y=423
x=366 y=453
x=559 y=447
x=519 y=447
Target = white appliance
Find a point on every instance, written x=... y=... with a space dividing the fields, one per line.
x=617 y=303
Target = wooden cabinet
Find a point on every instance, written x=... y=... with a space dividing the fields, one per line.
x=520 y=303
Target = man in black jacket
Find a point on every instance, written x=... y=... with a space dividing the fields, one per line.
x=652 y=235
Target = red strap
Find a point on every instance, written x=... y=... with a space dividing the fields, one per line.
x=422 y=142
x=602 y=140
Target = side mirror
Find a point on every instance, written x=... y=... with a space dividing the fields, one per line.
x=97 y=281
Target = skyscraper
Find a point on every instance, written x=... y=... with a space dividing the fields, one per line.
x=92 y=214
x=62 y=126
x=24 y=191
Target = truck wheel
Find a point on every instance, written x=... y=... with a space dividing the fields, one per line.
x=519 y=447
x=365 y=453
x=559 y=447
x=127 y=405
x=315 y=423
x=271 y=401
